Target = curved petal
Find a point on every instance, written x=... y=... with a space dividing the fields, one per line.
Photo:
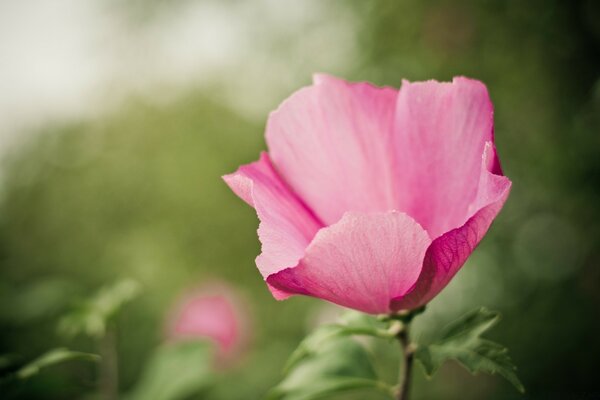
x=448 y=253
x=441 y=130
x=361 y=262
x=286 y=225
x=332 y=142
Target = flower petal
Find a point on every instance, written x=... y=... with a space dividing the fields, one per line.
x=332 y=142
x=441 y=130
x=361 y=262
x=448 y=253
x=286 y=225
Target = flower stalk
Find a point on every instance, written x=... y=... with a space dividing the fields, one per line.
x=407 y=364
x=401 y=321
x=109 y=375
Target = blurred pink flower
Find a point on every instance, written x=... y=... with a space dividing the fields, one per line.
x=373 y=198
x=213 y=312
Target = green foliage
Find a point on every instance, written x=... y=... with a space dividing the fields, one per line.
x=352 y=323
x=52 y=357
x=91 y=317
x=35 y=301
x=340 y=364
x=329 y=361
x=175 y=371
x=462 y=342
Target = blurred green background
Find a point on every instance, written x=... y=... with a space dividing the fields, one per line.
x=124 y=180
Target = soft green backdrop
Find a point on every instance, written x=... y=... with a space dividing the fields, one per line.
x=136 y=192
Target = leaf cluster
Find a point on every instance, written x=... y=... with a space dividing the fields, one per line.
x=91 y=316
x=330 y=361
x=462 y=341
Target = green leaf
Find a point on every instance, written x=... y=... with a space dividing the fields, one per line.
x=91 y=316
x=352 y=323
x=461 y=341
x=341 y=364
x=360 y=320
x=50 y=358
x=35 y=301
x=175 y=371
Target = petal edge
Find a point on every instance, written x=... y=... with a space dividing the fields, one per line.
x=286 y=225
x=361 y=262
x=447 y=254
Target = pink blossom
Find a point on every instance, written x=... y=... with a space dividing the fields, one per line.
x=213 y=312
x=373 y=198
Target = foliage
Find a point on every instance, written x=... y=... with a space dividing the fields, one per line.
x=353 y=323
x=330 y=361
x=462 y=342
x=175 y=371
x=48 y=359
x=92 y=316
x=53 y=357
x=339 y=365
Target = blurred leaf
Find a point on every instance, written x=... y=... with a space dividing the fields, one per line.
x=352 y=323
x=43 y=298
x=360 y=320
x=340 y=364
x=92 y=316
x=50 y=358
x=462 y=342
x=175 y=371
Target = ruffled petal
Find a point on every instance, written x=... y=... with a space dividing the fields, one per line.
x=448 y=253
x=333 y=144
x=286 y=227
x=441 y=131
x=361 y=262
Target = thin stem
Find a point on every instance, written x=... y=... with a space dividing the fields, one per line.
x=109 y=372
x=408 y=357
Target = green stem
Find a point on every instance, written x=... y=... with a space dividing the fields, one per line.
x=109 y=372
x=408 y=349
x=408 y=358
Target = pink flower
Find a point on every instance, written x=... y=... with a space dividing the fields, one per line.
x=373 y=198
x=213 y=312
